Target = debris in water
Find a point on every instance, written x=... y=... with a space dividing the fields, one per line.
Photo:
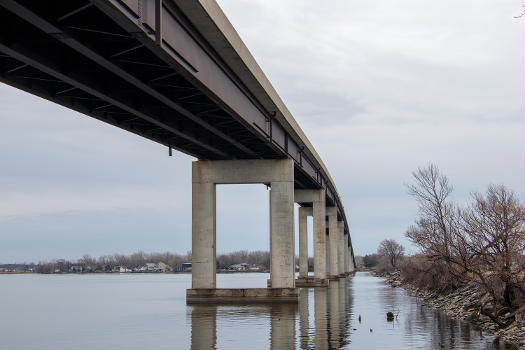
x=389 y=316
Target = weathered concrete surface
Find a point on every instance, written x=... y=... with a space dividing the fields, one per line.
x=351 y=267
x=318 y=200
x=282 y=246
x=304 y=212
x=333 y=235
x=310 y=282
x=250 y=171
x=241 y=296
x=341 y=248
x=203 y=235
x=346 y=255
x=279 y=174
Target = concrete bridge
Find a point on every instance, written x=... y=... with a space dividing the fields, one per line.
x=176 y=72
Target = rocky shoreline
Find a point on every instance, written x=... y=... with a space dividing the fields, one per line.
x=464 y=303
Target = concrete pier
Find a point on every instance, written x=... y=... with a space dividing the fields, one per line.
x=333 y=235
x=304 y=212
x=242 y=295
x=315 y=198
x=341 y=248
x=351 y=267
x=346 y=254
x=279 y=175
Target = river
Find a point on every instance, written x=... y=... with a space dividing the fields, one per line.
x=148 y=311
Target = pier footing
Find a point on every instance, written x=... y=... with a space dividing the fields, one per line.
x=241 y=296
x=307 y=282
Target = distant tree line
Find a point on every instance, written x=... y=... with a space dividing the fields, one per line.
x=138 y=259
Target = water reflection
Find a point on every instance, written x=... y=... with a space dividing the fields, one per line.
x=304 y=319
x=148 y=311
x=282 y=331
x=327 y=318
x=203 y=327
x=206 y=319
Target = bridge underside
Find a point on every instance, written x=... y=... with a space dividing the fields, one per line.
x=74 y=54
x=144 y=67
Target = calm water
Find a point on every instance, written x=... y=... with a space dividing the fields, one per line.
x=148 y=311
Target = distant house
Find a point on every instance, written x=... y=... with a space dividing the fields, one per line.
x=186 y=267
x=162 y=267
x=240 y=267
x=150 y=267
x=123 y=269
x=76 y=268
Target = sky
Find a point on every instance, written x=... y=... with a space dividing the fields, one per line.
x=379 y=87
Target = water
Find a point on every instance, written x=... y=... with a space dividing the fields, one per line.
x=139 y=311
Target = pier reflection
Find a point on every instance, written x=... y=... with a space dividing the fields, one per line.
x=209 y=322
x=322 y=318
x=204 y=327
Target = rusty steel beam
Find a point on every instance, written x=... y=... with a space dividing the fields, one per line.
x=29 y=57
x=69 y=40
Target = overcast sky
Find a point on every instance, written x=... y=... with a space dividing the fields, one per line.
x=379 y=87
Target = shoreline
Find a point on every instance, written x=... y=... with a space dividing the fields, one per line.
x=110 y=272
x=462 y=303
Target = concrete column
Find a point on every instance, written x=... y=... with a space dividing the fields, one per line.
x=319 y=211
x=328 y=258
x=346 y=253
x=351 y=267
x=318 y=200
x=203 y=235
x=282 y=250
x=341 y=247
x=279 y=173
x=333 y=234
x=303 y=241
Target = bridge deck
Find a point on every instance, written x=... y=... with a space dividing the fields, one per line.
x=173 y=71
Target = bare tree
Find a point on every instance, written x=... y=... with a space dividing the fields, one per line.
x=483 y=242
x=493 y=237
x=392 y=251
x=436 y=214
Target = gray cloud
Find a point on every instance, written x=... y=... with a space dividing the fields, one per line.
x=380 y=88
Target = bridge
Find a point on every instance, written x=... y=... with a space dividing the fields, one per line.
x=176 y=72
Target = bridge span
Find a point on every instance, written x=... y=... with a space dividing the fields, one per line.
x=176 y=72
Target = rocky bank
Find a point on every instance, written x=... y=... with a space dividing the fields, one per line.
x=464 y=303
